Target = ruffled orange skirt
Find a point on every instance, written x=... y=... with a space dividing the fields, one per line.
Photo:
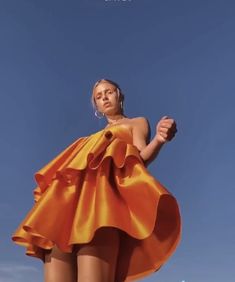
x=100 y=180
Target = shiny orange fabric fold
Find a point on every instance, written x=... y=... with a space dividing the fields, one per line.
x=98 y=181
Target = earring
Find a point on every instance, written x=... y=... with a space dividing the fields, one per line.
x=97 y=115
x=121 y=104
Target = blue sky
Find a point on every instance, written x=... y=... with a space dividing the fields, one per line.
x=172 y=58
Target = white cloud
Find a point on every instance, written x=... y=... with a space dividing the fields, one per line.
x=15 y=272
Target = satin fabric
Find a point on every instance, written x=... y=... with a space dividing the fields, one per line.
x=100 y=180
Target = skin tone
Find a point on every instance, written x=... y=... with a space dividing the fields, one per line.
x=107 y=102
x=95 y=255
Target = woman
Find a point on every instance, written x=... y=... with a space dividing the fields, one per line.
x=99 y=215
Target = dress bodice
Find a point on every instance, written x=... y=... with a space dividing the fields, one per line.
x=114 y=142
x=120 y=131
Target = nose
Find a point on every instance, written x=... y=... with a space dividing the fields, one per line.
x=105 y=97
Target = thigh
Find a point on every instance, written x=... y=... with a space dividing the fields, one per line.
x=59 y=266
x=96 y=260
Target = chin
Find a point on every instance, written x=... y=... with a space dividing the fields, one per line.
x=109 y=111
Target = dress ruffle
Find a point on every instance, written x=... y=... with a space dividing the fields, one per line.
x=98 y=181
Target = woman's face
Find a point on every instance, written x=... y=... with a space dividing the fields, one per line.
x=106 y=98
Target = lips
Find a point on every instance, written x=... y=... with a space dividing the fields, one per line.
x=106 y=104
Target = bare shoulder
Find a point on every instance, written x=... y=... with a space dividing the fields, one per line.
x=141 y=123
x=141 y=131
x=139 y=126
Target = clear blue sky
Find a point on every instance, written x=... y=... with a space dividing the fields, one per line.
x=170 y=57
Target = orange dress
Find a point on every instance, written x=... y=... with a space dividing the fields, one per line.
x=100 y=180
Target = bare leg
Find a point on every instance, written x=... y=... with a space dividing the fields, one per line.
x=97 y=259
x=60 y=267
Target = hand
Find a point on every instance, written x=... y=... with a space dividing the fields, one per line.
x=165 y=129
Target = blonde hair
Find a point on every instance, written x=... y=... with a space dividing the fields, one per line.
x=121 y=95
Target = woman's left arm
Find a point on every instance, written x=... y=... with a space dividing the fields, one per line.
x=165 y=131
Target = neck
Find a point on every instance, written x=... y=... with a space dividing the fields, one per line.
x=114 y=118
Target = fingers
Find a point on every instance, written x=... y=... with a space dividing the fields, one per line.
x=169 y=123
x=165 y=117
x=167 y=127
